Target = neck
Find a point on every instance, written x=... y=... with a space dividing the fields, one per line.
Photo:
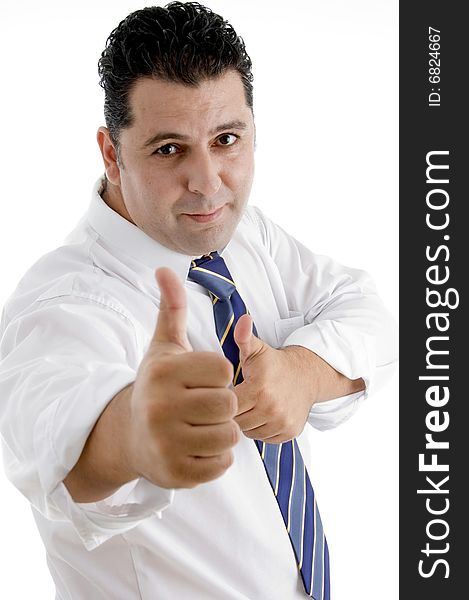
x=112 y=196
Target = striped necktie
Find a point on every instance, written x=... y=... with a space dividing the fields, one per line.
x=283 y=462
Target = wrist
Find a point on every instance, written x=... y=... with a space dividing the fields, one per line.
x=305 y=369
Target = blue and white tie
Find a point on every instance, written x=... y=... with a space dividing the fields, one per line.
x=283 y=462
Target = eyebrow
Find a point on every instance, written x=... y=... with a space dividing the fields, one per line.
x=165 y=135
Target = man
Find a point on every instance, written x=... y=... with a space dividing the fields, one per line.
x=137 y=417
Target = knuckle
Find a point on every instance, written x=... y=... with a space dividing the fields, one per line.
x=264 y=396
x=159 y=368
x=201 y=471
x=226 y=436
x=223 y=403
x=155 y=412
x=225 y=368
x=220 y=404
x=218 y=466
x=218 y=365
x=291 y=429
x=184 y=473
x=235 y=433
x=273 y=411
x=230 y=403
x=227 y=460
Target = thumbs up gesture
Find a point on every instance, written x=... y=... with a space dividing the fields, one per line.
x=281 y=385
x=182 y=411
x=278 y=388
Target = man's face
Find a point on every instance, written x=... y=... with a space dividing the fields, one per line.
x=189 y=152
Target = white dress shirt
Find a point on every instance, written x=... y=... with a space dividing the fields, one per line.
x=72 y=336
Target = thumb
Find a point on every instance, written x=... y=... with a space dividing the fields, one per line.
x=247 y=343
x=171 y=326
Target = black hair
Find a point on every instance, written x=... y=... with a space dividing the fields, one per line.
x=181 y=42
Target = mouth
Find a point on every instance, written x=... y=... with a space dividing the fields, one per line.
x=206 y=217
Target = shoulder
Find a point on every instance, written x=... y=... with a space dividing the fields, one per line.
x=65 y=275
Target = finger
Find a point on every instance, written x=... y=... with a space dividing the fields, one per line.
x=243 y=330
x=251 y=419
x=208 y=406
x=246 y=399
x=201 y=369
x=209 y=440
x=203 y=469
x=242 y=335
x=267 y=433
x=171 y=325
x=276 y=439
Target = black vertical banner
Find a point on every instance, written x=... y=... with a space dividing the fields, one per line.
x=434 y=162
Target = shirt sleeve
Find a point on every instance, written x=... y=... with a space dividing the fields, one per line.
x=345 y=322
x=60 y=365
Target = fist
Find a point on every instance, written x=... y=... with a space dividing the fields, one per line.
x=182 y=410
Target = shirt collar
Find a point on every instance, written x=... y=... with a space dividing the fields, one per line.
x=131 y=240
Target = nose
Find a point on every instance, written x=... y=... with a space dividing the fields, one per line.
x=203 y=176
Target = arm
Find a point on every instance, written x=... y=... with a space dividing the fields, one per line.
x=281 y=385
x=323 y=380
x=61 y=363
x=163 y=427
x=345 y=321
x=104 y=464
x=345 y=343
x=78 y=404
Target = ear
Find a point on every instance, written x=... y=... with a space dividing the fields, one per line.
x=109 y=154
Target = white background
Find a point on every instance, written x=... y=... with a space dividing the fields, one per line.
x=325 y=102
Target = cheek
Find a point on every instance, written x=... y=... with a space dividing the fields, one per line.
x=162 y=184
x=146 y=187
x=239 y=174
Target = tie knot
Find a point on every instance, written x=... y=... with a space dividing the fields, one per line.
x=211 y=271
x=204 y=258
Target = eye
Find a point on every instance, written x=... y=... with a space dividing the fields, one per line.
x=228 y=139
x=166 y=150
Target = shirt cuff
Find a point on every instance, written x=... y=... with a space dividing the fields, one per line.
x=331 y=413
x=60 y=434
x=96 y=522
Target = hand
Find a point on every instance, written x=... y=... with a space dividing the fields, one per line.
x=277 y=393
x=182 y=411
